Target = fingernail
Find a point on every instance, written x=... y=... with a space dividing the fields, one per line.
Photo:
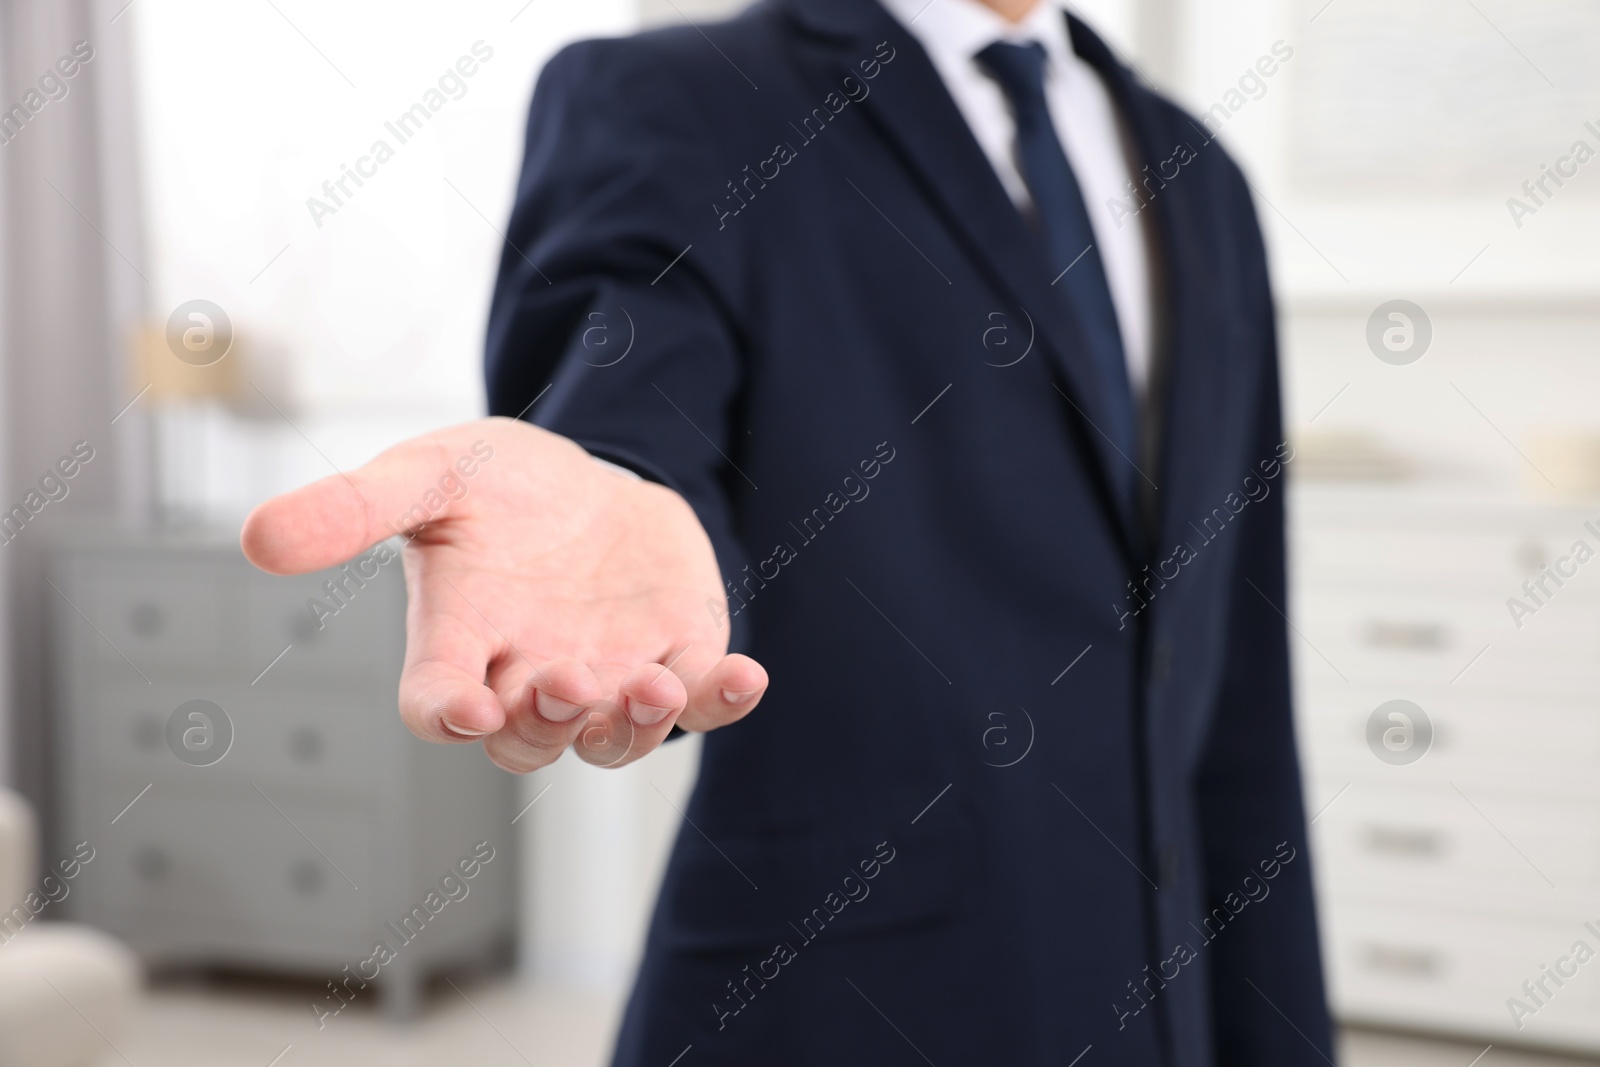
x=738 y=698
x=461 y=731
x=554 y=710
x=646 y=714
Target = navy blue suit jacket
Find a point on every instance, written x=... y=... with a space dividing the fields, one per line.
x=1025 y=781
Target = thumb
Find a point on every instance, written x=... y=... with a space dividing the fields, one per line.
x=338 y=517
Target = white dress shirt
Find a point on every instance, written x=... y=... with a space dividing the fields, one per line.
x=953 y=32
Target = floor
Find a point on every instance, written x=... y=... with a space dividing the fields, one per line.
x=248 y=1024
x=495 y=1022
x=1366 y=1048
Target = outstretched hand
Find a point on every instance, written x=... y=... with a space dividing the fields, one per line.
x=552 y=601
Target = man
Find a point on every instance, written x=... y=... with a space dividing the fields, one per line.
x=929 y=360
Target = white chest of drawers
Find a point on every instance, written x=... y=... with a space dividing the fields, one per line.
x=1448 y=882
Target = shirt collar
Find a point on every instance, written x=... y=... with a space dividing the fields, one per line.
x=959 y=29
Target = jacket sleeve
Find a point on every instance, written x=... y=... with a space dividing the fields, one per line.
x=611 y=320
x=1269 y=1005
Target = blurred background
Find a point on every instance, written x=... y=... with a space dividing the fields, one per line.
x=176 y=177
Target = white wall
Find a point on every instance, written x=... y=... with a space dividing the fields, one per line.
x=365 y=325
x=1383 y=154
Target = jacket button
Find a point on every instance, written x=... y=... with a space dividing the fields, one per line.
x=1169 y=866
x=1161 y=661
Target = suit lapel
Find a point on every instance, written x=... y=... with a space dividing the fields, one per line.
x=916 y=116
x=1196 y=387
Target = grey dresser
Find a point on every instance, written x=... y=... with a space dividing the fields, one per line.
x=233 y=753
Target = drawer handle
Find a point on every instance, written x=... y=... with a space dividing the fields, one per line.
x=303 y=628
x=1400 y=841
x=306 y=745
x=148 y=732
x=146 y=619
x=1407 y=636
x=306 y=877
x=1532 y=557
x=1402 y=962
x=150 y=862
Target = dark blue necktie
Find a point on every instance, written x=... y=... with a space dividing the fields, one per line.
x=1063 y=219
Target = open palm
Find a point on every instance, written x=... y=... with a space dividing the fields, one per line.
x=552 y=601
